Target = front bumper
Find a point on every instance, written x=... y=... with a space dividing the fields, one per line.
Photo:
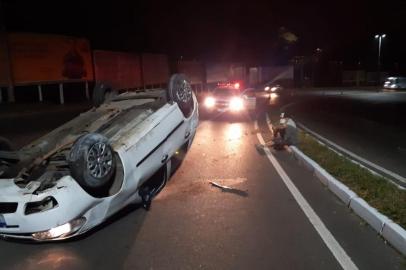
x=62 y=232
x=73 y=204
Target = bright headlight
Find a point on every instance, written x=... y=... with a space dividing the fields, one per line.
x=60 y=231
x=236 y=104
x=267 y=88
x=209 y=102
x=273 y=89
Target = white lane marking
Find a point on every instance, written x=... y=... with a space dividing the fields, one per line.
x=338 y=252
x=355 y=156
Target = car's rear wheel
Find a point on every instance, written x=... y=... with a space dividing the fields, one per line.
x=180 y=91
x=92 y=163
x=102 y=93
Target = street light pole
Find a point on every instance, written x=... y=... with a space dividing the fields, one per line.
x=379 y=38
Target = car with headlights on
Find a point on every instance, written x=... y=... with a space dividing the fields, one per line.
x=272 y=88
x=120 y=152
x=230 y=100
x=395 y=83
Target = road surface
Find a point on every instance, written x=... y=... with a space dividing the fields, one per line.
x=193 y=225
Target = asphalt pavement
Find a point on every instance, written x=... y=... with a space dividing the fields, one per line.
x=258 y=224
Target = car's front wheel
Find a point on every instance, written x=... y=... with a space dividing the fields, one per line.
x=92 y=163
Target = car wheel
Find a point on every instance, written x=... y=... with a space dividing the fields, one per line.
x=5 y=145
x=180 y=91
x=102 y=93
x=92 y=163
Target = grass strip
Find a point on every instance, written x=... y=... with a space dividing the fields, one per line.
x=377 y=191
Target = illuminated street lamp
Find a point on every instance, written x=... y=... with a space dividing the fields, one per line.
x=379 y=37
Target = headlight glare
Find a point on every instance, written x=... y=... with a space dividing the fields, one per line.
x=60 y=231
x=236 y=104
x=209 y=102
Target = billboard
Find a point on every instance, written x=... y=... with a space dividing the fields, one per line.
x=155 y=68
x=4 y=61
x=48 y=58
x=120 y=70
x=194 y=70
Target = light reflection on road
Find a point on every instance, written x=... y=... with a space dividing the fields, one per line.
x=234 y=132
x=273 y=98
x=53 y=258
x=233 y=137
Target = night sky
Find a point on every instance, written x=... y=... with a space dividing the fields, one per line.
x=250 y=31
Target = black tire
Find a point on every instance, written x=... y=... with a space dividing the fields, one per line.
x=5 y=145
x=102 y=92
x=92 y=163
x=180 y=91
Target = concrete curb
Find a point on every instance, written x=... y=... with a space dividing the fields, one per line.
x=375 y=219
x=302 y=158
x=341 y=191
x=385 y=227
x=395 y=235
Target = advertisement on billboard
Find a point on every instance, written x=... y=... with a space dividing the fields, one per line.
x=120 y=70
x=49 y=58
x=155 y=68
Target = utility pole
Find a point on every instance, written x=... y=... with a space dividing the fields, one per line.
x=380 y=38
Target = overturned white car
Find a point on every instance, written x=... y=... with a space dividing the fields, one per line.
x=75 y=177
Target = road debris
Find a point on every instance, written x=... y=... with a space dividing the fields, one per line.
x=260 y=148
x=228 y=189
x=223 y=187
